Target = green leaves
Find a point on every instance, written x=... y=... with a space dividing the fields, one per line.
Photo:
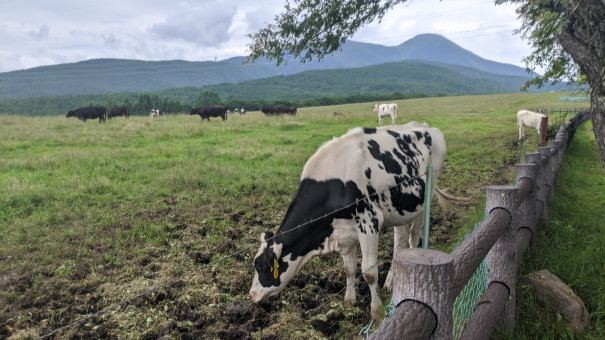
x=313 y=28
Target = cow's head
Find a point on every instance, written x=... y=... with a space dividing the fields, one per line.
x=192 y=112
x=376 y=108
x=71 y=113
x=273 y=272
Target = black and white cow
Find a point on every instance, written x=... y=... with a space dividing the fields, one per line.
x=350 y=189
x=384 y=110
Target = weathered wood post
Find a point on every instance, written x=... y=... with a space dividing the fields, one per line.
x=542 y=189
x=543 y=131
x=555 y=147
x=562 y=137
x=501 y=260
x=526 y=214
x=426 y=275
x=547 y=170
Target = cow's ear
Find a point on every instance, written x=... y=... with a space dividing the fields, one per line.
x=264 y=237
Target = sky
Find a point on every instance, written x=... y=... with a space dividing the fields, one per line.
x=42 y=32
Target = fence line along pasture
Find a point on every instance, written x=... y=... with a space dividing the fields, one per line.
x=426 y=282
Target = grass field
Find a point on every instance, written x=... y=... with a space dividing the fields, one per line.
x=92 y=214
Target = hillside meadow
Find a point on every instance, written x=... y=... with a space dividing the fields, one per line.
x=93 y=214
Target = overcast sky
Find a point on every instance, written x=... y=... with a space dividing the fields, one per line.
x=43 y=32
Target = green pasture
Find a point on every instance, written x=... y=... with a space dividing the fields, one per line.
x=92 y=214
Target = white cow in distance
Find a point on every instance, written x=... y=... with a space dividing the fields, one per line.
x=529 y=119
x=386 y=110
x=155 y=113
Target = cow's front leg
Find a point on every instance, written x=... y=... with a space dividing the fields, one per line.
x=402 y=234
x=350 y=263
x=369 y=268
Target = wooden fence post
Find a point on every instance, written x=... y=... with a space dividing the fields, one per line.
x=547 y=170
x=426 y=275
x=555 y=148
x=542 y=190
x=501 y=260
x=527 y=211
x=543 y=131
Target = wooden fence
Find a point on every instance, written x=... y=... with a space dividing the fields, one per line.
x=426 y=282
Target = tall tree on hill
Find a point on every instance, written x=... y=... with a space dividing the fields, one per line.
x=207 y=98
x=567 y=36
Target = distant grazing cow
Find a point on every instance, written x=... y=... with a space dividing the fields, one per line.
x=350 y=189
x=118 y=111
x=155 y=113
x=271 y=110
x=290 y=110
x=242 y=111
x=90 y=112
x=529 y=119
x=384 y=110
x=210 y=111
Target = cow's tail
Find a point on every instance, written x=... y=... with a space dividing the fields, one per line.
x=445 y=200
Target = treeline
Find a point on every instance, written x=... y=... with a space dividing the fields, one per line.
x=175 y=101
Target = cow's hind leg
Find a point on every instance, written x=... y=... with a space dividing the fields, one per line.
x=369 y=268
x=350 y=264
x=402 y=234
x=416 y=231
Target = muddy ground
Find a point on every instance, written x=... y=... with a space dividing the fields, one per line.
x=209 y=300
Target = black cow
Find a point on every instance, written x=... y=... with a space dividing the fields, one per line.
x=210 y=111
x=291 y=110
x=118 y=111
x=90 y=112
x=272 y=110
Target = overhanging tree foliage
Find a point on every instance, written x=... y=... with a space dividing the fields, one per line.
x=568 y=38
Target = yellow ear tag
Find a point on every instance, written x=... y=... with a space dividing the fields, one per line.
x=275 y=267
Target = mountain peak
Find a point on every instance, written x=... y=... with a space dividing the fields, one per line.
x=148 y=76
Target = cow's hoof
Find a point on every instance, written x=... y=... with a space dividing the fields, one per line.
x=350 y=302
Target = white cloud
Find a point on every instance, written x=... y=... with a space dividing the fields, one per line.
x=206 y=26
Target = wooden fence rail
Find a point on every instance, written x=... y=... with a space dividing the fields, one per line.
x=426 y=282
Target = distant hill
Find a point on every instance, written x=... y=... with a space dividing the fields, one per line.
x=116 y=75
x=428 y=47
x=407 y=77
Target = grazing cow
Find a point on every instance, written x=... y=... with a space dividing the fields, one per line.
x=155 y=113
x=242 y=111
x=350 y=189
x=272 y=110
x=290 y=110
x=90 y=112
x=118 y=111
x=529 y=119
x=384 y=110
x=210 y=111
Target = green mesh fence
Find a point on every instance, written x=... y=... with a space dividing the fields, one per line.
x=575 y=99
x=472 y=293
